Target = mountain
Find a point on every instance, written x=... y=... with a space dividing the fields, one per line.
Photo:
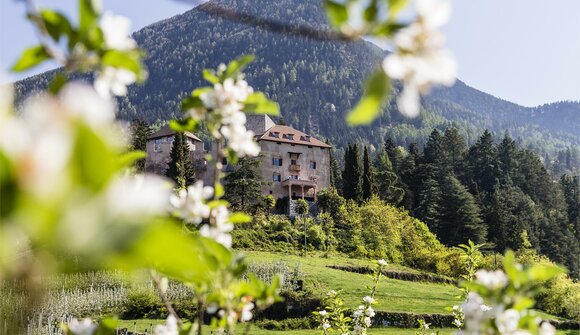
x=315 y=82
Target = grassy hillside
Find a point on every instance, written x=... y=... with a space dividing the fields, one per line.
x=393 y=295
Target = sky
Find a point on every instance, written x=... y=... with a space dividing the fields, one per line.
x=524 y=51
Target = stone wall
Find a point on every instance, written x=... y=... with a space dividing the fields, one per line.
x=157 y=160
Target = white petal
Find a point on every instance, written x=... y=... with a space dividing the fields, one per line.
x=409 y=101
x=435 y=13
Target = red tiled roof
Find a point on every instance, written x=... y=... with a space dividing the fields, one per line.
x=290 y=135
x=167 y=131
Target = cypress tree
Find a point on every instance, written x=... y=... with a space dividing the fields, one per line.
x=180 y=167
x=335 y=173
x=352 y=175
x=140 y=131
x=368 y=183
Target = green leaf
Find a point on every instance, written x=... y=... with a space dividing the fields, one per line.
x=57 y=83
x=238 y=65
x=541 y=272
x=258 y=103
x=30 y=58
x=368 y=108
x=370 y=13
x=337 y=13
x=395 y=6
x=129 y=158
x=88 y=14
x=240 y=217
x=94 y=163
x=172 y=252
x=388 y=28
x=128 y=60
x=190 y=103
x=107 y=327
x=210 y=76
x=183 y=125
x=523 y=303
x=56 y=24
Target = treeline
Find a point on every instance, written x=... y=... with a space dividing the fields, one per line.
x=317 y=82
x=488 y=192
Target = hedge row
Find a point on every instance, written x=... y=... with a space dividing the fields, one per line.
x=391 y=319
x=400 y=275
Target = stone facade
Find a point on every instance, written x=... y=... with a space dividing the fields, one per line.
x=293 y=165
x=159 y=150
x=294 y=170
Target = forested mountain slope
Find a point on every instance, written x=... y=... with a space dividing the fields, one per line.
x=316 y=82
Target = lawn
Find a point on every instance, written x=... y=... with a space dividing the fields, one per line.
x=392 y=295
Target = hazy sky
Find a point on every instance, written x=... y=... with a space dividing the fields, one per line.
x=525 y=51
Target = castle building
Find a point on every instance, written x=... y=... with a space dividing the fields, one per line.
x=159 y=151
x=294 y=165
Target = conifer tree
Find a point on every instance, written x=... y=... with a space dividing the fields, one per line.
x=368 y=183
x=508 y=159
x=458 y=215
x=180 y=167
x=140 y=131
x=483 y=167
x=335 y=173
x=352 y=175
x=455 y=150
x=242 y=186
x=388 y=184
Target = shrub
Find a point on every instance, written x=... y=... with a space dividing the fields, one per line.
x=143 y=304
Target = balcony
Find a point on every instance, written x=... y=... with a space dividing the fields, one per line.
x=298 y=182
x=295 y=168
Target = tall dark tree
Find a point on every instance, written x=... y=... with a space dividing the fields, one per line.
x=508 y=159
x=458 y=216
x=140 y=131
x=369 y=186
x=455 y=149
x=352 y=175
x=335 y=172
x=571 y=188
x=180 y=167
x=483 y=166
x=243 y=184
x=511 y=212
x=388 y=185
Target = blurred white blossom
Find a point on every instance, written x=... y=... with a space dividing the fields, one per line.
x=491 y=279
x=116 y=30
x=507 y=321
x=219 y=230
x=420 y=59
x=114 y=80
x=191 y=204
x=547 y=329
x=227 y=100
x=84 y=327
x=246 y=314
x=170 y=327
x=137 y=196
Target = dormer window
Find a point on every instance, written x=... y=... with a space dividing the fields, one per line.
x=275 y=134
x=289 y=136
